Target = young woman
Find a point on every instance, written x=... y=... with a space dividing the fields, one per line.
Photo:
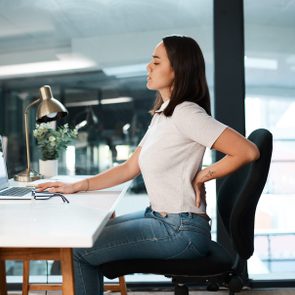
x=169 y=156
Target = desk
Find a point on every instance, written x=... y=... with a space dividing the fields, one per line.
x=50 y=229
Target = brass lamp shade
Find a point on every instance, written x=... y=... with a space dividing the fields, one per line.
x=49 y=108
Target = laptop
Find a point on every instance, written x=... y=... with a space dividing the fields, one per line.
x=8 y=192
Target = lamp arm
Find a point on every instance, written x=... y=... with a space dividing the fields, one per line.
x=31 y=104
x=27 y=133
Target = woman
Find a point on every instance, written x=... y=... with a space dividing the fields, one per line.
x=169 y=156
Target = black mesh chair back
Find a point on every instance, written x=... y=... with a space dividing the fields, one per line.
x=239 y=194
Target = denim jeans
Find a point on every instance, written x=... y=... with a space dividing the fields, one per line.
x=145 y=234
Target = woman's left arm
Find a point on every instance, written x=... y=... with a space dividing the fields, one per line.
x=238 y=151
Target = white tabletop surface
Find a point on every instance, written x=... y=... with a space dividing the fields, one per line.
x=52 y=223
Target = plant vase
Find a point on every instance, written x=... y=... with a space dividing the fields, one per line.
x=48 y=168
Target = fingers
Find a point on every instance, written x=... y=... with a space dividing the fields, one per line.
x=198 y=201
x=204 y=197
x=200 y=194
x=50 y=186
x=56 y=190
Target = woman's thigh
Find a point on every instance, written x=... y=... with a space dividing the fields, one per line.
x=139 y=235
x=134 y=236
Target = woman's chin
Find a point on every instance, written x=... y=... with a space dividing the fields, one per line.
x=149 y=86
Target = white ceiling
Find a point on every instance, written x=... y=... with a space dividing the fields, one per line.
x=95 y=34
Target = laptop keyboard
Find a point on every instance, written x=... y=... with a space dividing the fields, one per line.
x=16 y=191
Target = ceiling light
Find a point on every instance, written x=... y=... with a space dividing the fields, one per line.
x=116 y=100
x=261 y=63
x=126 y=71
x=123 y=99
x=45 y=67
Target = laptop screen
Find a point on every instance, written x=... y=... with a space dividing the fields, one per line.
x=3 y=170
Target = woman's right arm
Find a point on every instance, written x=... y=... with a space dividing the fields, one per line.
x=111 y=177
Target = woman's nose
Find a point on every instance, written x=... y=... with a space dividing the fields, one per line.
x=148 y=67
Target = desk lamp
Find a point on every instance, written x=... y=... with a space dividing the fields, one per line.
x=49 y=109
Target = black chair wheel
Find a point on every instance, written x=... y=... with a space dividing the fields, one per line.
x=212 y=286
x=181 y=290
x=235 y=284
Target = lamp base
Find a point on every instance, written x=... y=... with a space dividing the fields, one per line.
x=28 y=175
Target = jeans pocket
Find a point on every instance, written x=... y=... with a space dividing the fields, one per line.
x=199 y=230
x=196 y=224
x=171 y=229
x=171 y=222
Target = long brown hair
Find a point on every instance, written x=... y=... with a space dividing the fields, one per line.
x=190 y=82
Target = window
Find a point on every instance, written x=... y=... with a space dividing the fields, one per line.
x=270 y=103
x=93 y=57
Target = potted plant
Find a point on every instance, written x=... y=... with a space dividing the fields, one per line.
x=51 y=143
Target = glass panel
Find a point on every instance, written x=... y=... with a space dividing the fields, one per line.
x=270 y=103
x=93 y=57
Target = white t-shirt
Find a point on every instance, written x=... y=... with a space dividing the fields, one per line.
x=171 y=153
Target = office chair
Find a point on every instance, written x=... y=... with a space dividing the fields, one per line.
x=237 y=199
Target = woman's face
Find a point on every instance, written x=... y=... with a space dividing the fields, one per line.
x=160 y=75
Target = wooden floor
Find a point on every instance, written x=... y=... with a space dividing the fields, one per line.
x=284 y=291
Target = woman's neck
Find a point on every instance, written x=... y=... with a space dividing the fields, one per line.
x=165 y=94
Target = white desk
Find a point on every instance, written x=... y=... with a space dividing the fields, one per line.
x=49 y=229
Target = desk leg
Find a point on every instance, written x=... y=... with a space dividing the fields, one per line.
x=67 y=270
x=3 y=289
x=26 y=277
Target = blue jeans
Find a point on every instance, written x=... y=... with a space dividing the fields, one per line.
x=145 y=234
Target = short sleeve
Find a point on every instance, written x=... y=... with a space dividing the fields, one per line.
x=141 y=143
x=194 y=123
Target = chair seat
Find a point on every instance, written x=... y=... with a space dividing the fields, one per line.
x=218 y=260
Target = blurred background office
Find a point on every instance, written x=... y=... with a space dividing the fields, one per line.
x=93 y=54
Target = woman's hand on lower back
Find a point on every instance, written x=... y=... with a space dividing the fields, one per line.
x=200 y=190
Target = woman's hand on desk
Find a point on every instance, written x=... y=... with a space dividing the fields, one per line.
x=57 y=187
x=63 y=187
